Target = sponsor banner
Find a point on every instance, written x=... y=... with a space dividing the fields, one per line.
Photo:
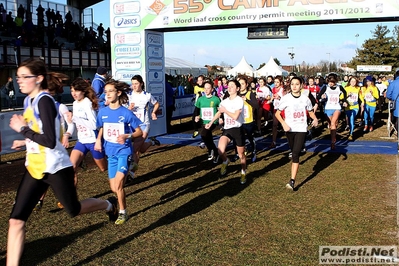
x=126 y=7
x=159 y=98
x=155 y=52
x=184 y=106
x=192 y=13
x=126 y=75
x=127 y=38
x=377 y=68
x=358 y=255
x=155 y=76
x=127 y=50
x=128 y=63
x=127 y=21
x=155 y=39
x=8 y=135
x=155 y=64
x=156 y=88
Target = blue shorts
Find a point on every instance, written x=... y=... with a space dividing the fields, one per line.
x=330 y=112
x=86 y=147
x=118 y=163
x=145 y=127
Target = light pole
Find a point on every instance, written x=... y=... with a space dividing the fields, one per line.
x=328 y=62
x=356 y=35
x=292 y=54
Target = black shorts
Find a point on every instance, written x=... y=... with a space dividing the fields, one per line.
x=30 y=190
x=237 y=134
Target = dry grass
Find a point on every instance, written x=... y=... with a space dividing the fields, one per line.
x=182 y=213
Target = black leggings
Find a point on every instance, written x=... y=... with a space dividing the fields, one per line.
x=30 y=190
x=296 y=141
x=249 y=130
x=207 y=138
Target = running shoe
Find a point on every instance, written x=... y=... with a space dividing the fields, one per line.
x=216 y=159
x=303 y=150
x=113 y=213
x=243 y=178
x=290 y=185
x=129 y=178
x=254 y=156
x=195 y=134
x=83 y=165
x=59 y=205
x=290 y=155
x=154 y=141
x=350 y=137
x=122 y=218
x=211 y=155
x=365 y=128
x=134 y=167
x=223 y=170
x=202 y=145
x=39 y=205
x=371 y=129
x=272 y=145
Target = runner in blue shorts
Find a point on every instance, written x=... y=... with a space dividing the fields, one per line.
x=117 y=127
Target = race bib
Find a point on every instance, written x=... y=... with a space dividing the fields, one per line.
x=298 y=115
x=369 y=97
x=246 y=111
x=112 y=131
x=139 y=113
x=229 y=121
x=334 y=99
x=353 y=98
x=31 y=146
x=207 y=113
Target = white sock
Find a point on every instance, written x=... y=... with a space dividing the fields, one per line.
x=242 y=171
x=109 y=208
x=122 y=211
x=225 y=162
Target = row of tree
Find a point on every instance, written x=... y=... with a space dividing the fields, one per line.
x=381 y=49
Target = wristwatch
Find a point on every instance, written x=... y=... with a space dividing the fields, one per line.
x=22 y=128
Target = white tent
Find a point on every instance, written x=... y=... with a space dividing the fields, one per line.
x=242 y=68
x=271 y=68
x=176 y=66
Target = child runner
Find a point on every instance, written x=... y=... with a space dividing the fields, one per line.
x=250 y=110
x=84 y=116
x=278 y=92
x=205 y=109
x=47 y=161
x=334 y=95
x=295 y=106
x=232 y=110
x=351 y=110
x=65 y=117
x=264 y=95
x=115 y=123
x=139 y=101
x=369 y=97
